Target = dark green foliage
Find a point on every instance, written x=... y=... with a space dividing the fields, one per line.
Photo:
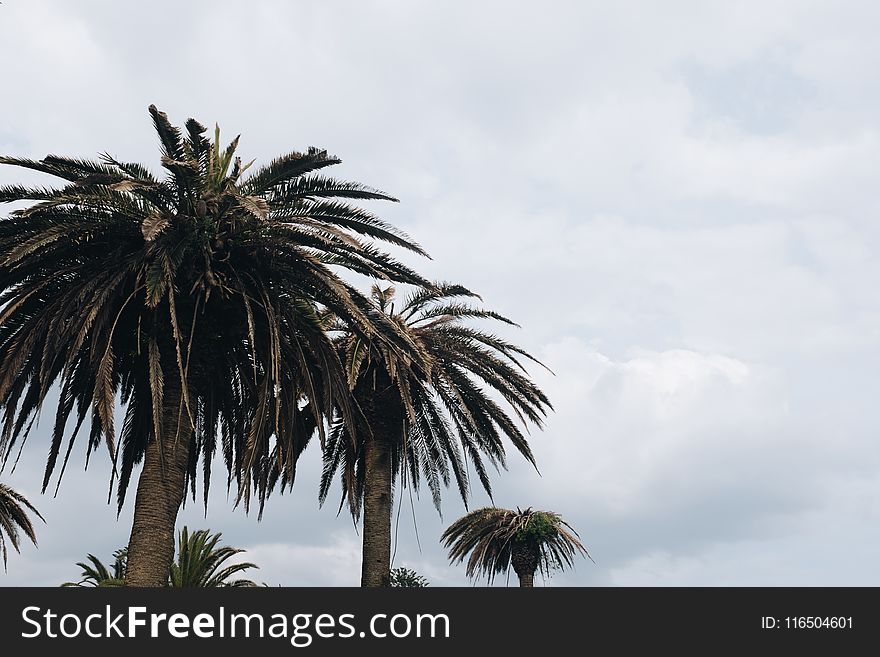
x=405 y=578
x=440 y=390
x=95 y=573
x=200 y=562
x=541 y=526
x=119 y=284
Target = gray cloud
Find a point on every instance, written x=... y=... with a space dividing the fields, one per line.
x=676 y=201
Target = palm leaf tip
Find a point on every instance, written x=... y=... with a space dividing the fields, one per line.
x=14 y=520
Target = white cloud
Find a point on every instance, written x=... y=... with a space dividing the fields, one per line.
x=334 y=564
x=656 y=429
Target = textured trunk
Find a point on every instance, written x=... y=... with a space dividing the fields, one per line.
x=380 y=401
x=524 y=558
x=526 y=579
x=376 y=567
x=160 y=492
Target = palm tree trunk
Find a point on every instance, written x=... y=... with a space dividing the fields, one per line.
x=380 y=402
x=376 y=566
x=160 y=492
x=527 y=579
x=524 y=558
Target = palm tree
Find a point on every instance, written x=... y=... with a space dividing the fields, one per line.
x=95 y=573
x=200 y=562
x=14 y=519
x=427 y=414
x=196 y=300
x=406 y=578
x=499 y=538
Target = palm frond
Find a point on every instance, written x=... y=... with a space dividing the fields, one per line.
x=286 y=168
x=14 y=520
x=201 y=562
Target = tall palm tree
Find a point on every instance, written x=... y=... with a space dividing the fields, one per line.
x=428 y=415
x=499 y=538
x=195 y=299
x=14 y=519
x=200 y=563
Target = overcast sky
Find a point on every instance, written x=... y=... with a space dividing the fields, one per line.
x=677 y=201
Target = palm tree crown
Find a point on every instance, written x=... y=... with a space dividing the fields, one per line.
x=119 y=282
x=14 y=520
x=443 y=417
x=497 y=539
x=200 y=562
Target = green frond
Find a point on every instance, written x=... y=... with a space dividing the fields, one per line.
x=451 y=311
x=310 y=187
x=286 y=168
x=424 y=296
x=69 y=169
x=342 y=215
x=201 y=562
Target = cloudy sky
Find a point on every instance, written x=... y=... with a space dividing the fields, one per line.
x=677 y=201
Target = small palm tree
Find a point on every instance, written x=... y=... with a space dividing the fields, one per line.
x=95 y=573
x=426 y=414
x=405 y=578
x=14 y=519
x=200 y=562
x=499 y=538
